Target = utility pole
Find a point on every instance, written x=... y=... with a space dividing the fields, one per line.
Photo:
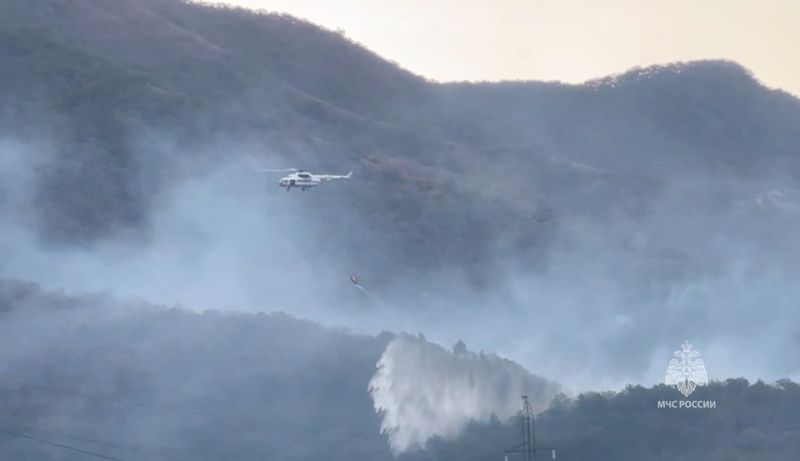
x=528 y=446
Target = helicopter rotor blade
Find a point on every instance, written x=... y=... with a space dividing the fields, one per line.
x=279 y=170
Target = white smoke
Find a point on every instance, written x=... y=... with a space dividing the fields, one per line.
x=422 y=390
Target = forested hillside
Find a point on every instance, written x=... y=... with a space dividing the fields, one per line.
x=752 y=421
x=571 y=235
x=136 y=381
x=103 y=78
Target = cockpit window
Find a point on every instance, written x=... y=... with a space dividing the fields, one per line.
x=304 y=175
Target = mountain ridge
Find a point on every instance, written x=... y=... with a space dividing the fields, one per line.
x=581 y=230
x=288 y=86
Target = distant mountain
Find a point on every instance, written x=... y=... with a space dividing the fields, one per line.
x=581 y=229
x=529 y=155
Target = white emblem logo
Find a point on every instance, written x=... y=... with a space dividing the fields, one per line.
x=687 y=370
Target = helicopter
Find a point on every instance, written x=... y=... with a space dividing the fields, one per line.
x=304 y=179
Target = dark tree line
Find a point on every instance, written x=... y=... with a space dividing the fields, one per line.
x=751 y=421
x=148 y=381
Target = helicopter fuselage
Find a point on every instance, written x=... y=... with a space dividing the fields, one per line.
x=305 y=180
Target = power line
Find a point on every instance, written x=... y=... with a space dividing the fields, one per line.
x=109 y=398
x=60 y=445
x=219 y=419
x=211 y=418
x=114 y=445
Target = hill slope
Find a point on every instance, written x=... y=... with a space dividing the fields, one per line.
x=434 y=151
x=584 y=230
x=136 y=381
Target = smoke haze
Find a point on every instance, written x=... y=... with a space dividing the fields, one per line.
x=613 y=300
x=581 y=231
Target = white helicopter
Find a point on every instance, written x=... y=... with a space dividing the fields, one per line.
x=305 y=179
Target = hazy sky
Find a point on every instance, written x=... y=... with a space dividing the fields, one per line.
x=567 y=40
